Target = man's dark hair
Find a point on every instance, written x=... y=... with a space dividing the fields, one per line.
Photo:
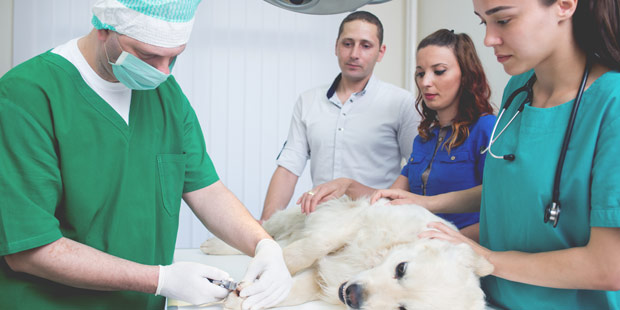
x=367 y=17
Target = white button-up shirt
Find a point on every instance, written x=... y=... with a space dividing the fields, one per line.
x=364 y=139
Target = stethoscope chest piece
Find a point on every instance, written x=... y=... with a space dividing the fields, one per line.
x=552 y=213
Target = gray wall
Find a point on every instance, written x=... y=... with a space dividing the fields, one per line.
x=405 y=21
x=6 y=35
x=431 y=15
x=459 y=15
x=393 y=17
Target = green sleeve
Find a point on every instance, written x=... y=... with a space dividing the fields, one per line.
x=199 y=169
x=30 y=182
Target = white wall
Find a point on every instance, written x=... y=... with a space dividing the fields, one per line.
x=245 y=65
x=242 y=70
x=6 y=35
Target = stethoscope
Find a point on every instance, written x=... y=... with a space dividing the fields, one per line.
x=552 y=211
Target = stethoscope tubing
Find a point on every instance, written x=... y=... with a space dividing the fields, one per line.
x=552 y=211
x=569 y=131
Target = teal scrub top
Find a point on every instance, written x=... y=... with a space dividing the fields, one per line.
x=515 y=193
x=70 y=166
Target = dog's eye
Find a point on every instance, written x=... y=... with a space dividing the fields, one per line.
x=400 y=270
x=402 y=308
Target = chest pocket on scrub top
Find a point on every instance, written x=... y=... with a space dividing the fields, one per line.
x=171 y=170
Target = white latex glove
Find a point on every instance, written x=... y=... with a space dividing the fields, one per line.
x=274 y=281
x=188 y=282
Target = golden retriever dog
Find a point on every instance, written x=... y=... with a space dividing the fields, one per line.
x=364 y=256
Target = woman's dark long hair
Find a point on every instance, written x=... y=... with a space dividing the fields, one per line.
x=596 y=28
x=474 y=92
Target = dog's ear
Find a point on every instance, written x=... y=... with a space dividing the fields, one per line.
x=479 y=264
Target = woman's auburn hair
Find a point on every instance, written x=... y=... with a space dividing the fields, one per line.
x=473 y=94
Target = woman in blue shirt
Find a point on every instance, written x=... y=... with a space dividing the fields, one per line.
x=552 y=48
x=453 y=99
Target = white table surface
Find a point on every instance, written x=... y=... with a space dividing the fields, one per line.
x=235 y=265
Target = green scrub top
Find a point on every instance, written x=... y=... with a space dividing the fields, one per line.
x=515 y=193
x=70 y=166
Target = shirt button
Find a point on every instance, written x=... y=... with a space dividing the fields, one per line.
x=340 y=129
x=452 y=158
x=350 y=100
x=344 y=114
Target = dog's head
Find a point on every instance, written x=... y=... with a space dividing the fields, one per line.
x=427 y=274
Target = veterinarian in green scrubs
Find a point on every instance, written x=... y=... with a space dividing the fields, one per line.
x=98 y=144
x=545 y=45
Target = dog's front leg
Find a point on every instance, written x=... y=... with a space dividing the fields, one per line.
x=215 y=246
x=305 y=289
x=302 y=253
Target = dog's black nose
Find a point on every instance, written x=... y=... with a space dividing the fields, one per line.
x=352 y=295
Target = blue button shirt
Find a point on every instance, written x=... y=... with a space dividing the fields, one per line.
x=459 y=169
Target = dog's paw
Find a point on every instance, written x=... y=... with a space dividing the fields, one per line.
x=233 y=301
x=215 y=246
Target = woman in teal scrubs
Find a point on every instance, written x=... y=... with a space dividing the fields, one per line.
x=538 y=266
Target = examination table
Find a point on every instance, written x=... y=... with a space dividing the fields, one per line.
x=235 y=265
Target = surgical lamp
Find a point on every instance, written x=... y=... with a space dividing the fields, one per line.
x=322 y=7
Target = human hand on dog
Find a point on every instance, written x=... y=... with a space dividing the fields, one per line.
x=324 y=192
x=189 y=282
x=441 y=231
x=271 y=280
x=399 y=197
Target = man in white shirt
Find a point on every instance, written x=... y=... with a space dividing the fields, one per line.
x=358 y=127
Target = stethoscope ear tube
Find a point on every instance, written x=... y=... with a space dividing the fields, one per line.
x=525 y=88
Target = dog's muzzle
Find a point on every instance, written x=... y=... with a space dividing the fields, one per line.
x=351 y=295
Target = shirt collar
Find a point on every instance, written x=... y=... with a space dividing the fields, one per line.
x=332 y=89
